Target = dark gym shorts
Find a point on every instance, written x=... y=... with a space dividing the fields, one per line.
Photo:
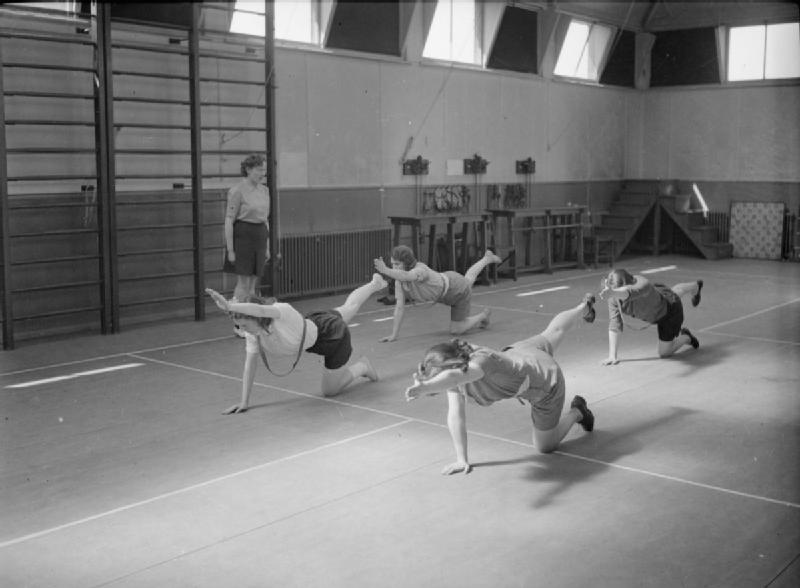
x=669 y=325
x=333 y=338
x=250 y=246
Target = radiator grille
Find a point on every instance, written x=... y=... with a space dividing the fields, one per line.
x=722 y=222
x=329 y=262
x=791 y=234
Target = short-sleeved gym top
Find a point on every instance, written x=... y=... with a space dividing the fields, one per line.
x=285 y=333
x=247 y=203
x=427 y=286
x=505 y=372
x=645 y=302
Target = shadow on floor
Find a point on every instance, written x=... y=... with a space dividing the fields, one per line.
x=611 y=443
x=708 y=355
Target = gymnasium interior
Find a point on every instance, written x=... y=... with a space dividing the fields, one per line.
x=570 y=138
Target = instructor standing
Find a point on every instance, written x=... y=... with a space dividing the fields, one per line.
x=247 y=227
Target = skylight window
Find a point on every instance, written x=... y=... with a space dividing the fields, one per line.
x=582 y=52
x=68 y=7
x=294 y=19
x=453 y=34
x=248 y=18
x=764 y=52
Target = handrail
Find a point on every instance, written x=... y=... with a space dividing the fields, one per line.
x=155 y=276
x=56 y=260
x=51 y=313
x=41 y=37
x=56 y=233
x=24 y=65
x=20 y=121
x=59 y=286
x=71 y=95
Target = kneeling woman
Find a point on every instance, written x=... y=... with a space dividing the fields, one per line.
x=278 y=329
x=524 y=370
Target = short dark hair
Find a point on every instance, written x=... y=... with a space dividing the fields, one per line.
x=251 y=161
x=404 y=255
x=263 y=322
x=453 y=354
x=619 y=277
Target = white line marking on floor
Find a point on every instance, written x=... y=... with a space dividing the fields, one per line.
x=113 y=355
x=492 y=291
x=404 y=420
x=524 y=310
x=649 y=473
x=761 y=339
x=104 y=370
x=683 y=480
x=113 y=511
x=351 y=325
x=224 y=337
x=535 y=292
x=655 y=270
x=383 y=320
x=751 y=315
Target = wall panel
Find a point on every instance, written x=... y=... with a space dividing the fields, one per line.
x=703 y=135
x=520 y=125
x=769 y=131
x=656 y=133
x=291 y=124
x=412 y=106
x=343 y=122
x=468 y=130
x=606 y=135
x=567 y=150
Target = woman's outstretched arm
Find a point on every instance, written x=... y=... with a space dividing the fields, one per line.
x=248 y=376
x=396 y=274
x=445 y=380
x=457 y=424
x=399 y=312
x=248 y=308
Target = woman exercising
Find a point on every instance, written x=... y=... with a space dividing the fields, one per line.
x=657 y=304
x=277 y=329
x=423 y=284
x=524 y=370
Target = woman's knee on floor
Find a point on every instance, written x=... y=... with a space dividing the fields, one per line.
x=666 y=348
x=545 y=441
x=333 y=381
x=458 y=327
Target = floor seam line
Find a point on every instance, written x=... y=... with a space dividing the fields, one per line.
x=152 y=499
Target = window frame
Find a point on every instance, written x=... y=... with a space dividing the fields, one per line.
x=603 y=57
x=315 y=28
x=763 y=79
x=478 y=52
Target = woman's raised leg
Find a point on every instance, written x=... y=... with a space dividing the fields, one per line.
x=359 y=296
x=476 y=268
x=567 y=320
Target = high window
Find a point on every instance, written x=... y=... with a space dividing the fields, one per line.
x=764 y=52
x=453 y=35
x=582 y=52
x=294 y=19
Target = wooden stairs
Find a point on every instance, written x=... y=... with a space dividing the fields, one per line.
x=629 y=212
x=618 y=227
x=694 y=225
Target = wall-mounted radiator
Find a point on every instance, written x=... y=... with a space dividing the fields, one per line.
x=790 y=247
x=720 y=221
x=330 y=262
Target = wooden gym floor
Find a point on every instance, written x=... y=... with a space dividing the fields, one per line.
x=133 y=477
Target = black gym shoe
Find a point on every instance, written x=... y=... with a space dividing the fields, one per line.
x=692 y=339
x=696 y=297
x=588 y=313
x=587 y=418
